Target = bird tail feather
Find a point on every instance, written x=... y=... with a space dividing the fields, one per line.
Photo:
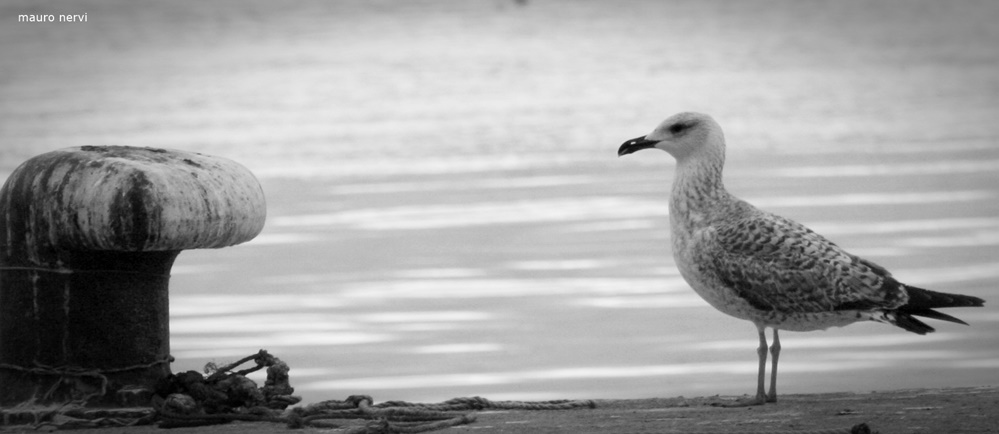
x=923 y=301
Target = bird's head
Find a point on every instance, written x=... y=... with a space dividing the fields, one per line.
x=682 y=135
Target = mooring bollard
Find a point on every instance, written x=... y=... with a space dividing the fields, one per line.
x=87 y=239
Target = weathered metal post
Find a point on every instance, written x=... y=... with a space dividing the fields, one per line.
x=87 y=239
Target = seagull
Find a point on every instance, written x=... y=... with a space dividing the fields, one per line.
x=767 y=269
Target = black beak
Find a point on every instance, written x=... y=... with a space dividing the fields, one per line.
x=636 y=144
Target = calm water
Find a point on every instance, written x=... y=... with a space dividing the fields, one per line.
x=447 y=215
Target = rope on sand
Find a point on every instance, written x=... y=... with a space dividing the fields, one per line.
x=189 y=399
x=387 y=417
x=193 y=401
x=406 y=417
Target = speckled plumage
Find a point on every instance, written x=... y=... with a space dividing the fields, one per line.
x=765 y=268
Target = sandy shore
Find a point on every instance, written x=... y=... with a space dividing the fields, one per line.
x=953 y=410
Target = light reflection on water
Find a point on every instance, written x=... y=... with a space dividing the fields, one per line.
x=909 y=169
x=507 y=288
x=896 y=226
x=585 y=373
x=434 y=216
x=451 y=218
x=495 y=183
x=872 y=199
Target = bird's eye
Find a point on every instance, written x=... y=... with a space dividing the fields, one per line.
x=677 y=128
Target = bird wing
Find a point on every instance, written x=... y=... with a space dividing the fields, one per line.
x=778 y=264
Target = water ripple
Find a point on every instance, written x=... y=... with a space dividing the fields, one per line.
x=897 y=169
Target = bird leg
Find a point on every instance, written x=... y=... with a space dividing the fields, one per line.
x=761 y=351
x=775 y=352
x=761 y=397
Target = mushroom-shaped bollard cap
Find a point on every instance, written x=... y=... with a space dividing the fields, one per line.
x=118 y=198
x=87 y=239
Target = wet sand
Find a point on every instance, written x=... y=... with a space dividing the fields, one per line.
x=917 y=411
